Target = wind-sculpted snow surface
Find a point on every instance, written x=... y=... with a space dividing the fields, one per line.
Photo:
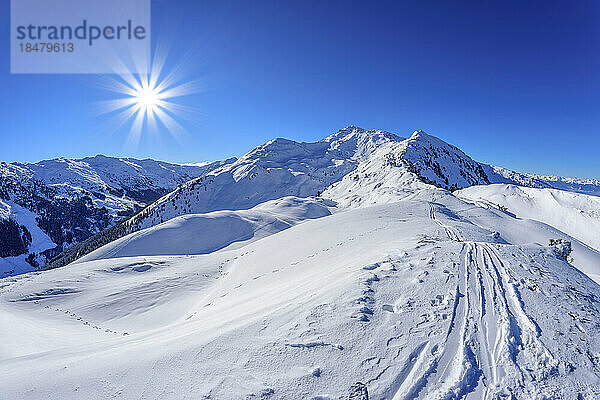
x=575 y=214
x=323 y=270
x=423 y=298
x=205 y=233
x=97 y=192
x=273 y=170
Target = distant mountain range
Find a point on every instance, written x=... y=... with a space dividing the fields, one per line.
x=364 y=265
x=75 y=206
x=51 y=205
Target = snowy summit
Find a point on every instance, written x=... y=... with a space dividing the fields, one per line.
x=364 y=264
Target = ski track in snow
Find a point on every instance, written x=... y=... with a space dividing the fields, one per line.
x=488 y=338
x=463 y=328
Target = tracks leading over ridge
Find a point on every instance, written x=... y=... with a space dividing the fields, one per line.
x=452 y=232
x=492 y=347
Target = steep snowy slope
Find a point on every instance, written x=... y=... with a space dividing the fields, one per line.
x=390 y=167
x=387 y=177
x=575 y=214
x=444 y=165
x=438 y=162
x=70 y=200
x=275 y=169
x=205 y=233
x=421 y=298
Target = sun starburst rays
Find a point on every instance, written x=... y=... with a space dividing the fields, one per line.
x=147 y=100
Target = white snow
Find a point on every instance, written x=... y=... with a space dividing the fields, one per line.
x=97 y=173
x=576 y=214
x=405 y=287
x=120 y=185
x=205 y=233
x=571 y=216
x=273 y=170
x=416 y=298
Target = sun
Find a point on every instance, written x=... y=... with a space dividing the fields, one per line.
x=147 y=98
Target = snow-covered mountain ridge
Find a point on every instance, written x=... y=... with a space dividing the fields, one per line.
x=50 y=205
x=284 y=167
x=444 y=165
x=326 y=270
x=572 y=213
x=379 y=166
x=273 y=170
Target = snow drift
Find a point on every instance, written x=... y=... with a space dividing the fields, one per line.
x=205 y=233
x=573 y=213
x=415 y=299
x=372 y=277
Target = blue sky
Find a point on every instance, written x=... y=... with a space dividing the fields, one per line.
x=511 y=83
